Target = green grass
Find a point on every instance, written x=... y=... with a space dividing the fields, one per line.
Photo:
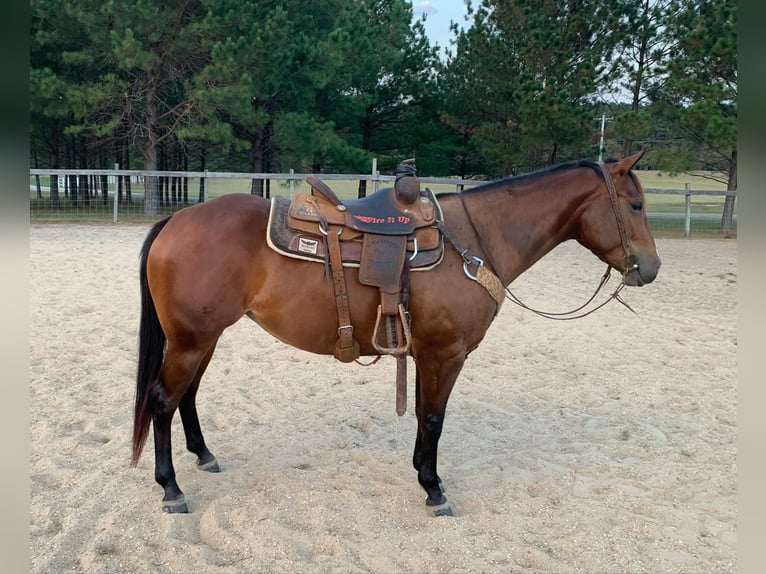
x=656 y=202
x=697 y=181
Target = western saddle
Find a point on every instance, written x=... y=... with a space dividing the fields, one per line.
x=385 y=234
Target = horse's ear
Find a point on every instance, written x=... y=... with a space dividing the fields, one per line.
x=626 y=164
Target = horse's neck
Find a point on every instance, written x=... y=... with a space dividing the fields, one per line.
x=518 y=228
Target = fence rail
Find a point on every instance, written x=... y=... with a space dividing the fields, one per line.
x=116 y=194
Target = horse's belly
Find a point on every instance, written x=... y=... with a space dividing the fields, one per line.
x=296 y=303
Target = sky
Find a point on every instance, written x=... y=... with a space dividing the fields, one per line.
x=439 y=13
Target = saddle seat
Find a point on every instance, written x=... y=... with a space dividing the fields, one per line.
x=384 y=212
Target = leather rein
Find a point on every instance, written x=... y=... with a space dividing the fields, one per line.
x=631 y=262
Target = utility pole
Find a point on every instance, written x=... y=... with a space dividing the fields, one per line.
x=601 y=139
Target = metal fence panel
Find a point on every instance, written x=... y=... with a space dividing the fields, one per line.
x=118 y=195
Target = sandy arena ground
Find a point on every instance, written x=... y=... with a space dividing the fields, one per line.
x=606 y=444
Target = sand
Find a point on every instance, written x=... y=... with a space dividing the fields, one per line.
x=605 y=444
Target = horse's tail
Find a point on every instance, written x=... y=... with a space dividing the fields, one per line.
x=151 y=350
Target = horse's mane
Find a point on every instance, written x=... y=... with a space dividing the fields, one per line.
x=533 y=175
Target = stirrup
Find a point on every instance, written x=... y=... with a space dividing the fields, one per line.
x=401 y=349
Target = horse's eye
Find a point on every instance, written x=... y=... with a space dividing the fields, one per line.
x=637 y=206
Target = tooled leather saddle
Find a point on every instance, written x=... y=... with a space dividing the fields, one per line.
x=386 y=235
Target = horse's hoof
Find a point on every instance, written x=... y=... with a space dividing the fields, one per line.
x=209 y=466
x=176 y=506
x=443 y=509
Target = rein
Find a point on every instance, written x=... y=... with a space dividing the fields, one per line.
x=630 y=260
x=569 y=315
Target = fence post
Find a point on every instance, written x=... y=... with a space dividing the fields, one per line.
x=688 y=218
x=374 y=174
x=292 y=183
x=114 y=216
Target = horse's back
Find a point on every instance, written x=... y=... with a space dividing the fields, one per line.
x=227 y=211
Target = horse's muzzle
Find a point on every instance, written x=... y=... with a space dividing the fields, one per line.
x=643 y=272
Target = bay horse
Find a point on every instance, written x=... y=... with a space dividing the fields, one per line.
x=206 y=266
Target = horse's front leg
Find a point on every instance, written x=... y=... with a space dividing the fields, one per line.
x=434 y=380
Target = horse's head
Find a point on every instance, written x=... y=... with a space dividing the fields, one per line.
x=614 y=225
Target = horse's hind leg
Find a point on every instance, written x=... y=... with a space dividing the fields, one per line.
x=195 y=442
x=179 y=370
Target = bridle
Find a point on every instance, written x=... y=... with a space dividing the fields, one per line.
x=631 y=261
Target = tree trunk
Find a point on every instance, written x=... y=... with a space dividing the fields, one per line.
x=162 y=165
x=201 y=197
x=727 y=219
x=73 y=191
x=84 y=186
x=70 y=184
x=84 y=189
x=128 y=192
x=54 y=179
x=627 y=146
x=268 y=139
x=256 y=185
x=105 y=189
x=185 y=184
x=554 y=154
x=366 y=141
x=151 y=185
x=37 y=180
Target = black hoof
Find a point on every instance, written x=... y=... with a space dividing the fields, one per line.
x=176 y=506
x=209 y=466
x=440 y=509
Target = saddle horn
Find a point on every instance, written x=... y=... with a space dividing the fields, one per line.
x=407 y=183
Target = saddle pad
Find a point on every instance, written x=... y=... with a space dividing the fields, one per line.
x=308 y=246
